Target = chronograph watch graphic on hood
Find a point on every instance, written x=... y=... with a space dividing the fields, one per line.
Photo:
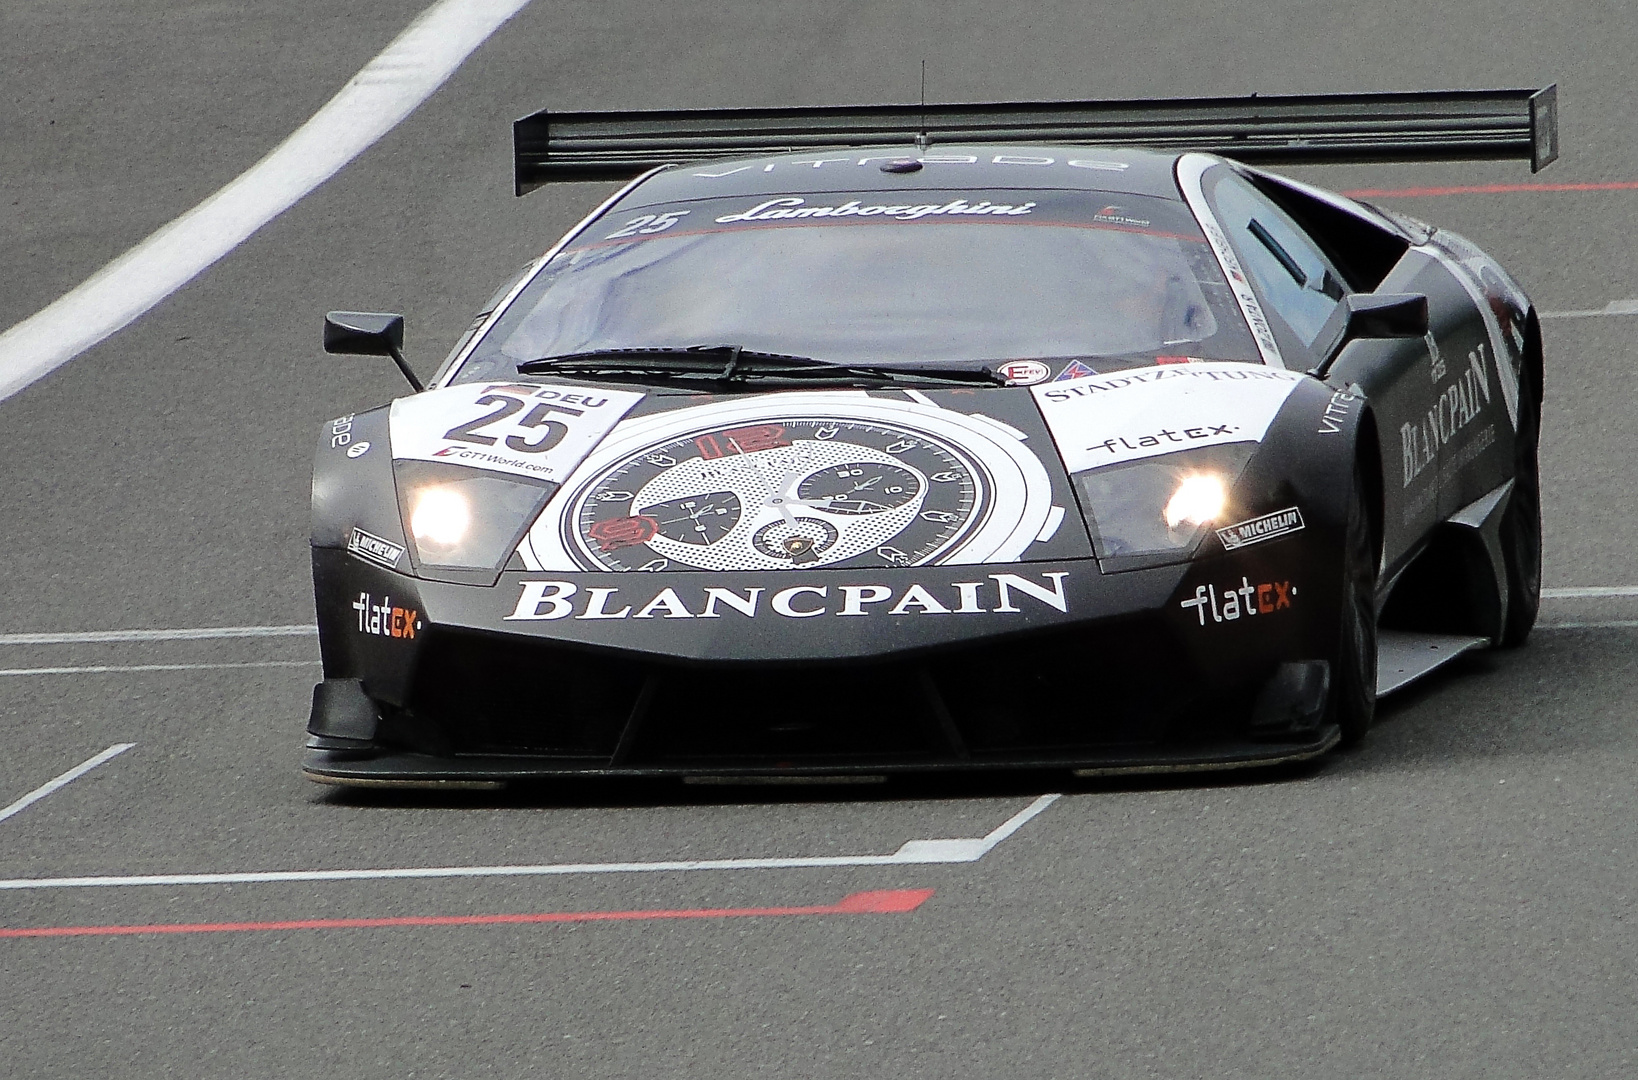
x=796 y=481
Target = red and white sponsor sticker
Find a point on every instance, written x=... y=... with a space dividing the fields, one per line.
x=1024 y=372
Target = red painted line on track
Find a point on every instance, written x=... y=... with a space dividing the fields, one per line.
x=881 y=902
x=1487 y=189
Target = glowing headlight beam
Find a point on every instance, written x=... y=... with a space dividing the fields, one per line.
x=1198 y=499
x=441 y=516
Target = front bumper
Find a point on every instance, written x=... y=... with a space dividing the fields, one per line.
x=1036 y=665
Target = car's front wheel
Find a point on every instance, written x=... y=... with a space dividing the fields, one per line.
x=1353 y=668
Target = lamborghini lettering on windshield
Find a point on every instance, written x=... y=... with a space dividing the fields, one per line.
x=793 y=207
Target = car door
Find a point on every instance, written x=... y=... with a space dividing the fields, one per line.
x=1453 y=424
x=1303 y=257
x=1475 y=412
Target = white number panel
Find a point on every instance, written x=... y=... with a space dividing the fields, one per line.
x=522 y=428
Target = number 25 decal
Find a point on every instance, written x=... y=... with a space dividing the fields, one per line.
x=536 y=418
x=648 y=223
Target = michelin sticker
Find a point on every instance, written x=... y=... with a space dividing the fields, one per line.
x=1268 y=527
x=1108 y=419
x=376 y=549
x=527 y=429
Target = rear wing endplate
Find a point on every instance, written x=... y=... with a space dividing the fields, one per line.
x=1313 y=129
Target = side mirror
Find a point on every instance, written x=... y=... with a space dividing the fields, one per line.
x=363 y=333
x=368 y=333
x=1385 y=315
x=1377 y=315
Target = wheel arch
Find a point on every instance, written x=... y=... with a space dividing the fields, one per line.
x=1368 y=456
x=1535 y=363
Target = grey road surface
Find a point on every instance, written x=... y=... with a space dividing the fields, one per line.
x=1454 y=899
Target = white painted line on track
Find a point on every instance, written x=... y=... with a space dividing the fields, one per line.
x=101 y=669
x=377 y=99
x=1589 y=591
x=199 y=633
x=1588 y=624
x=911 y=853
x=65 y=779
x=1614 y=307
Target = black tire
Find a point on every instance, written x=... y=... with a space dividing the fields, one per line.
x=1521 y=525
x=1353 y=669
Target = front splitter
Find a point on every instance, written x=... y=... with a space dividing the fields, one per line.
x=399 y=769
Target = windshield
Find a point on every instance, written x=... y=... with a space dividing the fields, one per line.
x=846 y=278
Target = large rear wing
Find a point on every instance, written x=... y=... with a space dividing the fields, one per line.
x=1312 y=129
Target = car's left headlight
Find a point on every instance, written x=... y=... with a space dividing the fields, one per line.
x=1157 y=509
x=463 y=520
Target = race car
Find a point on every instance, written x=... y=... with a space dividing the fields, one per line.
x=843 y=442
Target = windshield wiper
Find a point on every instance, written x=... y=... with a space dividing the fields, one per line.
x=723 y=361
x=734 y=364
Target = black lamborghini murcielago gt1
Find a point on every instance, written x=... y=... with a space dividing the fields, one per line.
x=865 y=440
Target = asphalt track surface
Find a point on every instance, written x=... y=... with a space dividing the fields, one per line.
x=1453 y=899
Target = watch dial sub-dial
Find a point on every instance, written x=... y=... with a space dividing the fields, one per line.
x=809 y=491
x=800 y=540
x=860 y=487
x=695 y=519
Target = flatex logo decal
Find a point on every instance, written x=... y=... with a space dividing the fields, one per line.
x=1203 y=435
x=372 y=548
x=384 y=620
x=548 y=601
x=1244 y=601
x=1107 y=419
x=528 y=429
x=1268 y=527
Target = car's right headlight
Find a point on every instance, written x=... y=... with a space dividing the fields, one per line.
x=463 y=521
x=1157 y=509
